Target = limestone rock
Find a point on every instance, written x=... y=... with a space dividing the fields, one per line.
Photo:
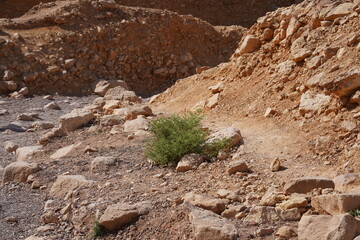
x=355 y=98
x=75 y=119
x=52 y=105
x=237 y=166
x=49 y=217
x=307 y=184
x=214 y=205
x=296 y=202
x=67 y=183
x=250 y=44
x=136 y=125
x=286 y=232
x=19 y=171
x=62 y=152
x=325 y=227
x=210 y=226
x=121 y=94
x=275 y=165
x=299 y=55
x=226 y=133
x=24 y=154
x=343 y=181
x=10 y=146
x=346 y=83
x=286 y=68
x=262 y=215
x=334 y=204
x=212 y=101
x=189 y=162
x=313 y=102
x=118 y=215
x=339 y=11
x=102 y=163
x=135 y=112
x=217 y=88
x=102 y=86
x=42 y=125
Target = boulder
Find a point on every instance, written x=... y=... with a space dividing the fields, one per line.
x=24 y=154
x=136 y=125
x=102 y=163
x=10 y=146
x=62 y=152
x=325 y=227
x=286 y=68
x=275 y=165
x=343 y=181
x=135 y=112
x=226 y=133
x=75 y=119
x=334 y=204
x=285 y=232
x=102 y=86
x=237 y=166
x=67 y=183
x=121 y=94
x=118 y=215
x=296 y=202
x=210 y=226
x=345 y=84
x=339 y=11
x=249 y=44
x=299 y=55
x=212 y=204
x=313 y=102
x=307 y=184
x=19 y=171
x=262 y=215
x=316 y=80
x=189 y=162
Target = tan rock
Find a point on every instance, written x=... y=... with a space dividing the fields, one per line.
x=212 y=204
x=189 y=162
x=135 y=112
x=286 y=232
x=10 y=146
x=355 y=98
x=19 y=171
x=313 y=102
x=118 y=215
x=213 y=101
x=237 y=166
x=296 y=202
x=343 y=181
x=102 y=86
x=62 y=152
x=299 y=55
x=334 y=204
x=262 y=215
x=307 y=184
x=249 y=44
x=100 y=164
x=67 y=183
x=136 y=125
x=75 y=119
x=339 y=11
x=210 y=226
x=275 y=165
x=49 y=217
x=226 y=133
x=111 y=104
x=24 y=154
x=325 y=227
x=121 y=94
x=217 y=88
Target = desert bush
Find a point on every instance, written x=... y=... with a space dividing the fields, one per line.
x=97 y=231
x=355 y=213
x=178 y=135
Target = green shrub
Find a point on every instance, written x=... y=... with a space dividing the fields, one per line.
x=355 y=213
x=98 y=230
x=178 y=135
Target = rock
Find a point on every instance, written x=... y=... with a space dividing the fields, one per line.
x=25 y=117
x=307 y=184
x=299 y=55
x=223 y=193
x=111 y=120
x=121 y=94
x=3 y=112
x=67 y=183
x=49 y=217
x=19 y=171
x=237 y=166
x=348 y=126
x=10 y=146
x=316 y=80
x=324 y=227
x=100 y=164
x=75 y=119
x=136 y=125
x=42 y=125
x=262 y=215
x=296 y=202
x=111 y=104
x=214 y=205
x=294 y=25
x=102 y=86
x=264 y=232
x=34 y=238
x=209 y=226
x=286 y=68
x=135 y=112
x=24 y=154
x=226 y=133
x=334 y=204
x=314 y=62
x=339 y=11
x=275 y=165
x=212 y=101
x=355 y=98
x=189 y=162
x=342 y=181
x=286 y=232
x=62 y=152
x=52 y=105
x=8 y=75
x=313 y=102
x=269 y=112
x=118 y=215
x=250 y=44
x=217 y=88
x=346 y=83
x=293 y=214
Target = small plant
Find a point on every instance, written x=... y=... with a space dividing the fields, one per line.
x=98 y=230
x=355 y=213
x=178 y=135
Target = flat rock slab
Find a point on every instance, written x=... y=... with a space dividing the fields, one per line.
x=212 y=204
x=118 y=215
x=325 y=227
x=210 y=226
x=67 y=183
x=334 y=204
x=75 y=119
x=24 y=154
x=237 y=166
x=62 y=152
x=307 y=184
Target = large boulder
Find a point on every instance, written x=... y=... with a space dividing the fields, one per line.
x=75 y=119
x=307 y=184
x=326 y=227
x=19 y=171
x=227 y=133
x=334 y=204
x=118 y=215
x=212 y=204
x=210 y=226
x=67 y=183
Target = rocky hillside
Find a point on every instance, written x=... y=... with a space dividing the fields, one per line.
x=286 y=93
